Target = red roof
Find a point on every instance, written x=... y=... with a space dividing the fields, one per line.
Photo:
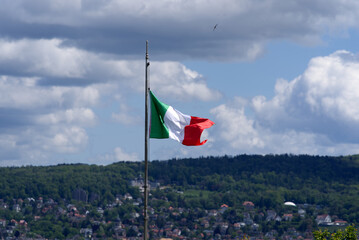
x=340 y=221
x=248 y=203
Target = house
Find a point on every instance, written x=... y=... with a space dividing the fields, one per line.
x=151 y=210
x=247 y=219
x=2 y=222
x=175 y=214
x=127 y=196
x=176 y=232
x=79 y=216
x=100 y=210
x=51 y=202
x=223 y=228
x=154 y=185
x=271 y=215
x=71 y=208
x=340 y=222
x=223 y=208
x=287 y=217
x=248 y=205
x=4 y=205
x=212 y=213
x=237 y=226
x=23 y=223
x=61 y=211
x=205 y=223
x=16 y=208
x=301 y=213
x=260 y=216
x=324 y=219
x=87 y=232
x=46 y=209
x=14 y=222
x=137 y=182
x=255 y=227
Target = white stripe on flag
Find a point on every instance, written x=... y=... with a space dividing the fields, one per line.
x=175 y=122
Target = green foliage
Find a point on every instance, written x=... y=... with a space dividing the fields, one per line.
x=349 y=233
x=329 y=184
x=58 y=182
x=267 y=181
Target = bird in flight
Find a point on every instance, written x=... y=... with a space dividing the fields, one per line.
x=215 y=26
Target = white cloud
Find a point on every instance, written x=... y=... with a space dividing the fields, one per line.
x=50 y=93
x=24 y=93
x=323 y=99
x=170 y=79
x=35 y=144
x=316 y=113
x=47 y=57
x=235 y=127
x=121 y=155
x=332 y=86
x=49 y=63
x=179 y=29
x=118 y=155
x=83 y=116
x=69 y=140
x=126 y=116
x=173 y=79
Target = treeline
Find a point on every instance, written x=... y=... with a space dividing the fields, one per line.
x=331 y=183
x=329 y=169
x=59 y=182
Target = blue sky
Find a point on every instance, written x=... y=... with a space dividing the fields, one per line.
x=275 y=76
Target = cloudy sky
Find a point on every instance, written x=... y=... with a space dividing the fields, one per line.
x=275 y=76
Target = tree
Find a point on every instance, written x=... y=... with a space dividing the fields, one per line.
x=350 y=233
x=131 y=233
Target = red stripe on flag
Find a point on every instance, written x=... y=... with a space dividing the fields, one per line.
x=193 y=131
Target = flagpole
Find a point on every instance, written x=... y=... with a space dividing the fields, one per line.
x=147 y=87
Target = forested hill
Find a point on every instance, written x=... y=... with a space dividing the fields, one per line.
x=60 y=180
x=242 y=167
x=268 y=181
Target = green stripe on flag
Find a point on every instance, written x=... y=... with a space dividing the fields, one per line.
x=158 y=111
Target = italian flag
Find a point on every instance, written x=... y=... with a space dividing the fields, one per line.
x=167 y=122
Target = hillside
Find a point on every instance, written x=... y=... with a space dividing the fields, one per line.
x=328 y=185
x=270 y=180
